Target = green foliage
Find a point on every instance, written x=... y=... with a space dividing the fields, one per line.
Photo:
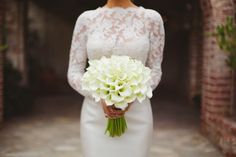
x=226 y=39
x=3 y=48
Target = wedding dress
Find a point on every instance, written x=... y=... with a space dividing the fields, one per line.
x=134 y=31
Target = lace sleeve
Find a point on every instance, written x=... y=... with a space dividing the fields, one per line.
x=78 y=56
x=157 y=42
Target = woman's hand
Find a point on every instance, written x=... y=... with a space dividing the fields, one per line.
x=112 y=111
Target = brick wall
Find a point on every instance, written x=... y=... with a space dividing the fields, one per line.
x=216 y=93
x=1 y=62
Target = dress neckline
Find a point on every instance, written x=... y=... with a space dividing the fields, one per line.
x=119 y=8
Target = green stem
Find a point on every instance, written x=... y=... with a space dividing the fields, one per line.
x=116 y=127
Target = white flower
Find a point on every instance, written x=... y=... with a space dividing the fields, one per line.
x=118 y=80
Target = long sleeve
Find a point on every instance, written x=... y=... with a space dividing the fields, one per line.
x=78 y=56
x=157 y=42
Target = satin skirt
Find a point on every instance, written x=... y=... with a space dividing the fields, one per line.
x=135 y=142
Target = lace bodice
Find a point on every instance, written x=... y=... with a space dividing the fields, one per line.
x=134 y=31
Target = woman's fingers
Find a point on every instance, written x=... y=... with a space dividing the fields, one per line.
x=127 y=108
x=108 y=110
x=105 y=109
x=112 y=111
x=117 y=111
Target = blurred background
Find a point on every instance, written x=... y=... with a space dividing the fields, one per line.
x=193 y=106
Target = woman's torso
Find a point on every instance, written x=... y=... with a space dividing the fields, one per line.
x=118 y=31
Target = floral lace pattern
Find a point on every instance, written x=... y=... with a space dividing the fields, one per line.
x=134 y=31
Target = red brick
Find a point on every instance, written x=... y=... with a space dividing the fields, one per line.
x=216 y=79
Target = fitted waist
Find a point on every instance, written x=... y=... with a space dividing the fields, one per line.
x=92 y=100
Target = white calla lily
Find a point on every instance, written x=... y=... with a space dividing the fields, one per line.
x=118 y=80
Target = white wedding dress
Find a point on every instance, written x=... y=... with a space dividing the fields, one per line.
x=134 y=31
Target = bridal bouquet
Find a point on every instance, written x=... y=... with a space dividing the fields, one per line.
x=118 y=80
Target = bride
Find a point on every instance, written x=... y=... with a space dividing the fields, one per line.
x=118 y=27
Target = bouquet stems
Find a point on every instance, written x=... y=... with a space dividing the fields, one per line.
x=116 y=127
